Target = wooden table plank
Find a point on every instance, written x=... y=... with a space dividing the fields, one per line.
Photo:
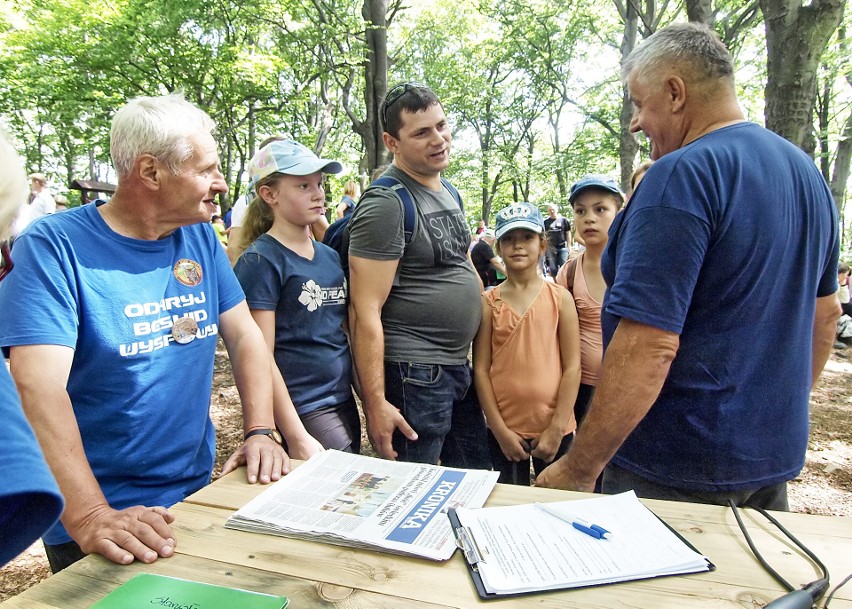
x=712 y=529
x=738 y=577
x=89 y=580
x=321 y=575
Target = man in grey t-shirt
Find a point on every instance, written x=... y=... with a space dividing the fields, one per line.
x=414 y=308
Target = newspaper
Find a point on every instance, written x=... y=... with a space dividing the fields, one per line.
x=363 y=502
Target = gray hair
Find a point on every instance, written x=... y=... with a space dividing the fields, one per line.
x=13 y=184
x=693 y=46
x=159 y=126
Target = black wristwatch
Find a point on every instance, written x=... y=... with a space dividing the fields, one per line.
x=265 y=431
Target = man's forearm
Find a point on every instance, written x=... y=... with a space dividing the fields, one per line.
x=368 y=354
x=251 y=365
x=498 y=266
x=826 y=315
x=254 y=384
x=635 y=367
x=48 y=408
x=41 y=375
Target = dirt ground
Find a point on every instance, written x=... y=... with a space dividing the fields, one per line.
x=823 y=487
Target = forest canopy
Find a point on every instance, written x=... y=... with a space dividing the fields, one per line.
x=531 y=87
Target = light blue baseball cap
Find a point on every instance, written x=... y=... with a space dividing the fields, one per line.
x=290 y=158
x=519 y=215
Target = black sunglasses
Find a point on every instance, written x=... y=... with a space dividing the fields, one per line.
x=5 y=260
x=393 y=96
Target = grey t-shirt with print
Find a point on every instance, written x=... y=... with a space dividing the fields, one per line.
x=433 y=310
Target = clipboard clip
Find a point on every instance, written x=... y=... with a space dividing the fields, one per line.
x=465 y=541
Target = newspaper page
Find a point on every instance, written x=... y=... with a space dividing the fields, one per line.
x=532 y=547
x=360 y=501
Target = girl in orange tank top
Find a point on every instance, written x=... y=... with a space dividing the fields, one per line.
x=526 y=355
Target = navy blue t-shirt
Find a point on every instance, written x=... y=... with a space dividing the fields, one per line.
x=309 y=300
x=727 y=242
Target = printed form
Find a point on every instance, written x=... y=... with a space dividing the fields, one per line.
x=523 y=548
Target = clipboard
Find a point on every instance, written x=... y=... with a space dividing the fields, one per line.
x=474 y=555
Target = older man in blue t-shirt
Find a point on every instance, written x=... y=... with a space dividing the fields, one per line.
x=111 y=317
x=710 y=353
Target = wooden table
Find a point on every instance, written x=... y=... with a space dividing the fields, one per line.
x=317 y=575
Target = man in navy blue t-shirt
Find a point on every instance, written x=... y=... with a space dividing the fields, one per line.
x=710 y=352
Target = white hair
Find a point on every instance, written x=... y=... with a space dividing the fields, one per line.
x=694 y=46
x=13 y=184
x=159 y=126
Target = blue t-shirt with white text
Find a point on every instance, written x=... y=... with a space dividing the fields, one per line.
x=141 y=399
x=309 y=300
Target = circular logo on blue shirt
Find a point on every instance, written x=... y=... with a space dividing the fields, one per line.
x=188 y=272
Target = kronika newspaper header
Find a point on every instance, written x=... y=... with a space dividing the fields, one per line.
x=360 y=501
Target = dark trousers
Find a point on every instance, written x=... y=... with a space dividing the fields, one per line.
x=518 y=472
x=440 y=403
x=618 y=480
x=581 y=408
x=584 y=399
x=63 y=555
x=337 y=427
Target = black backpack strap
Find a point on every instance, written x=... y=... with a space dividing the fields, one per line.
x=409 y=211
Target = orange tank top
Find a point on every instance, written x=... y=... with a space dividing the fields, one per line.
x=526 y=365
x=591 y=338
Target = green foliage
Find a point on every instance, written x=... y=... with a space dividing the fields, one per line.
x=531 y=86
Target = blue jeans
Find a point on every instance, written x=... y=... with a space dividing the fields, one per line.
x=440 y=403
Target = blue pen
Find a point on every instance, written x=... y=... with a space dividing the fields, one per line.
x=584 y=526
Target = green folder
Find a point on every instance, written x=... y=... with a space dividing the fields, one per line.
x=148 y=590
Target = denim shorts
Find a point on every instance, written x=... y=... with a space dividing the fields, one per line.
x=440 y=403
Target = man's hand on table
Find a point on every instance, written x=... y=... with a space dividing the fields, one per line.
x=265 y=460
x=140 y=533
x=560 y=474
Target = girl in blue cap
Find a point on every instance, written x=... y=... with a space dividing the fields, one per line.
x=526 y=355
x=596 y=200
x=296 y=291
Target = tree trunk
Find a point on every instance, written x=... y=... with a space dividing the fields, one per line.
x=699 y=11
x=228 y=198
x=842 y=164
x=92 y=172
x=823 y=108
x=561 y=178
x=628 y=146
x=375 y=80
x=796 y=37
